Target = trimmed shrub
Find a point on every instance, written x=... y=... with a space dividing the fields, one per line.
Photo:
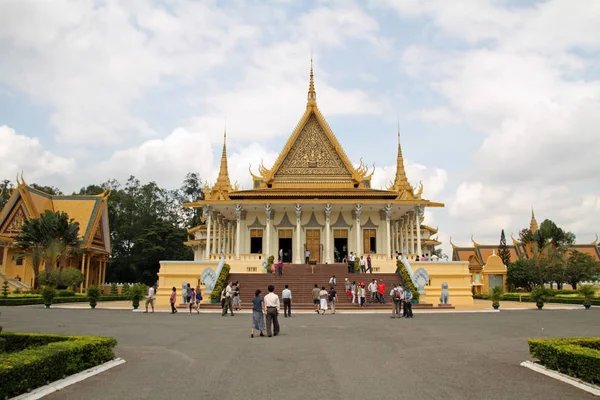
x=577 y=357
x=48 y=294
x=5 y=289
x=32 y=360
x=221 y=280
x=30 y=300
x=65 y=293
x=406 y=281
x=93 y=294
x=113 y=288
x=67 y=277
x=125 y=289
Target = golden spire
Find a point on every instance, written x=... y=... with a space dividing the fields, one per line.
x=223 y=185
x=401 y=184
x=312 y=95
x=533 y=225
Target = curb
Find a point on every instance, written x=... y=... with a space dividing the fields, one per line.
x=68 y=381
x=592 y=389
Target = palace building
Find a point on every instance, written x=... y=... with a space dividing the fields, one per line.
x=314 y=199
x=91 y=212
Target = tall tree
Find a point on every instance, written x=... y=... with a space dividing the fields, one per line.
x=503 y=251
x=5 y=190
x=580 y=267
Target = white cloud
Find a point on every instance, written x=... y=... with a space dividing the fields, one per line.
x=21 y=153
x=434 y=179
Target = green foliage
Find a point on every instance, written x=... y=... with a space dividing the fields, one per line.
x=30 y=300
x=113 y=288
x=401 y=269
x=270 y=262
x=580 y=267
x=577 y=357
x=5 y=289
x=356 y=265
x=588 y=292
x=521 y=273
x=221 y=283
x=68 y=277
x=93 y=294
x=539 y=294
x=65 y=293
x=496 y=294
x=5 y=190
x=48 y=294
x=17 y=291
x=32 y=360
x=125 y=289
x=137 y=293
x=503 y=251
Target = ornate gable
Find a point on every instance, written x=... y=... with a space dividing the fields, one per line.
x=98 y=238
x=11 y=226
x=313 y=154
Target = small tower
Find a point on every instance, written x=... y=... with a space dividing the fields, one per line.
x=223 y=187
x=533 y=225
x=400 y=184
x=312 y=94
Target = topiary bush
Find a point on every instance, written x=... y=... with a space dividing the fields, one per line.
x=67 y=277
x=5 y=289
x=221 y=281
x=65 y=293
x=125 y=288
x=48 y=294
x=93 y=293
x=113 y=288
x=136 y=293
x=32 y=360
x=406 y=280
x=577 y=357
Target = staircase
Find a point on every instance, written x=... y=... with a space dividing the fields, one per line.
x=301 y=279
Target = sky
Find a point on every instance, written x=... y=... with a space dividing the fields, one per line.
x=498 y=102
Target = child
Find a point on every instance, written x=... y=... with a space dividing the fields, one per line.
x=173 y=300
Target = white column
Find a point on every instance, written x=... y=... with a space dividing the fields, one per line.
x=388 y=216
x=357 y=211
x=238 y=218
x=299 y=251
x=328 y=252
x=208 y=215
x=267 y=247
x=397 y=228
x=213 y=245
x=219 y=237
x=412 y=234
x=405 y=235
x=418 y=223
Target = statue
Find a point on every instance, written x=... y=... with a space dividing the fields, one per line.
x=420 y=279
x=184 y=292
x=444 y=297
x=210 y=276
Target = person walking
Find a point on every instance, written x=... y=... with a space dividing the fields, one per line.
x=351 y=263
x=362 y=265
x=280 y=268
x=361 y=293
x=373 y=290
x=347 y=285
x=172 y=300
x=184 y=292
x=332 y=299
x=280 y=254
x=323 y=296
x=286 y=295
x=353 y=290
x=407 y=303
x=272 y=305
x=369 y=266
x=332 y=281
x=227 y=292
x=396 y=294
x=306 y=256
x=193 y=302
x=150 y=298
x=237 y=304
x=316 y=297
x=258 y=314
x=188 y=294
x=381 y=291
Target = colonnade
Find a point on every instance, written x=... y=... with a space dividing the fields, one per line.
x=402 y=235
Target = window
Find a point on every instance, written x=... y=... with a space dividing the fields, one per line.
x=19 y=261
x=1 y=255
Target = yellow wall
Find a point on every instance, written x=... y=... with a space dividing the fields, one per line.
x=10 y=269
x=174 y=273
x=455 y=274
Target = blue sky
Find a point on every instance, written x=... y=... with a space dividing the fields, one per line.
x=498 y=101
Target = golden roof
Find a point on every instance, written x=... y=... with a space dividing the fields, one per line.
x=221 y=189
x=400 y=184
x=533 y=225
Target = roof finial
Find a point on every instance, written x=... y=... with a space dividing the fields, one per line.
x=401 y=184
x=533 y=225
x=312 y=95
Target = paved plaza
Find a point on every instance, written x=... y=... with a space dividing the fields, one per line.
x=352 y=356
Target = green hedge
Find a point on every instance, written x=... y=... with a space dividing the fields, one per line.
x=31 y=360
x=526 y=299
x=577 y=357
x=26 y=301
x=221 y=281
x=401 y=270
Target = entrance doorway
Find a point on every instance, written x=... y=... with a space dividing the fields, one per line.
x=340 y=244
x=285 y=244
x=313 y=244
x=370 y=240
x=256 y=241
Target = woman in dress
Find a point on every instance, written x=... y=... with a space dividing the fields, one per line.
x=323 y=295
x=353 y=291
x=236 y=296
x=258 y=313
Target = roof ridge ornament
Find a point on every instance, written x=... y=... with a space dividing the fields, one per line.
x=312 y=94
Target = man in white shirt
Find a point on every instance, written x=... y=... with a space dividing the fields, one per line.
x=373 y=290
x=272 y=305
x=362 y=265
x=332 y=281
x=150 y=298
x=228 y=297
x=397 y=295
x=286 y=295
x=307 y=256
x=281 y=254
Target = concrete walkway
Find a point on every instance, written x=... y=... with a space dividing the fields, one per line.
x=433 y=356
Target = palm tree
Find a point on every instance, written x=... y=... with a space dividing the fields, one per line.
x=51 y=238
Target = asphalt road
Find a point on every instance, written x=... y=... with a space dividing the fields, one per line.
x=367 y=356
